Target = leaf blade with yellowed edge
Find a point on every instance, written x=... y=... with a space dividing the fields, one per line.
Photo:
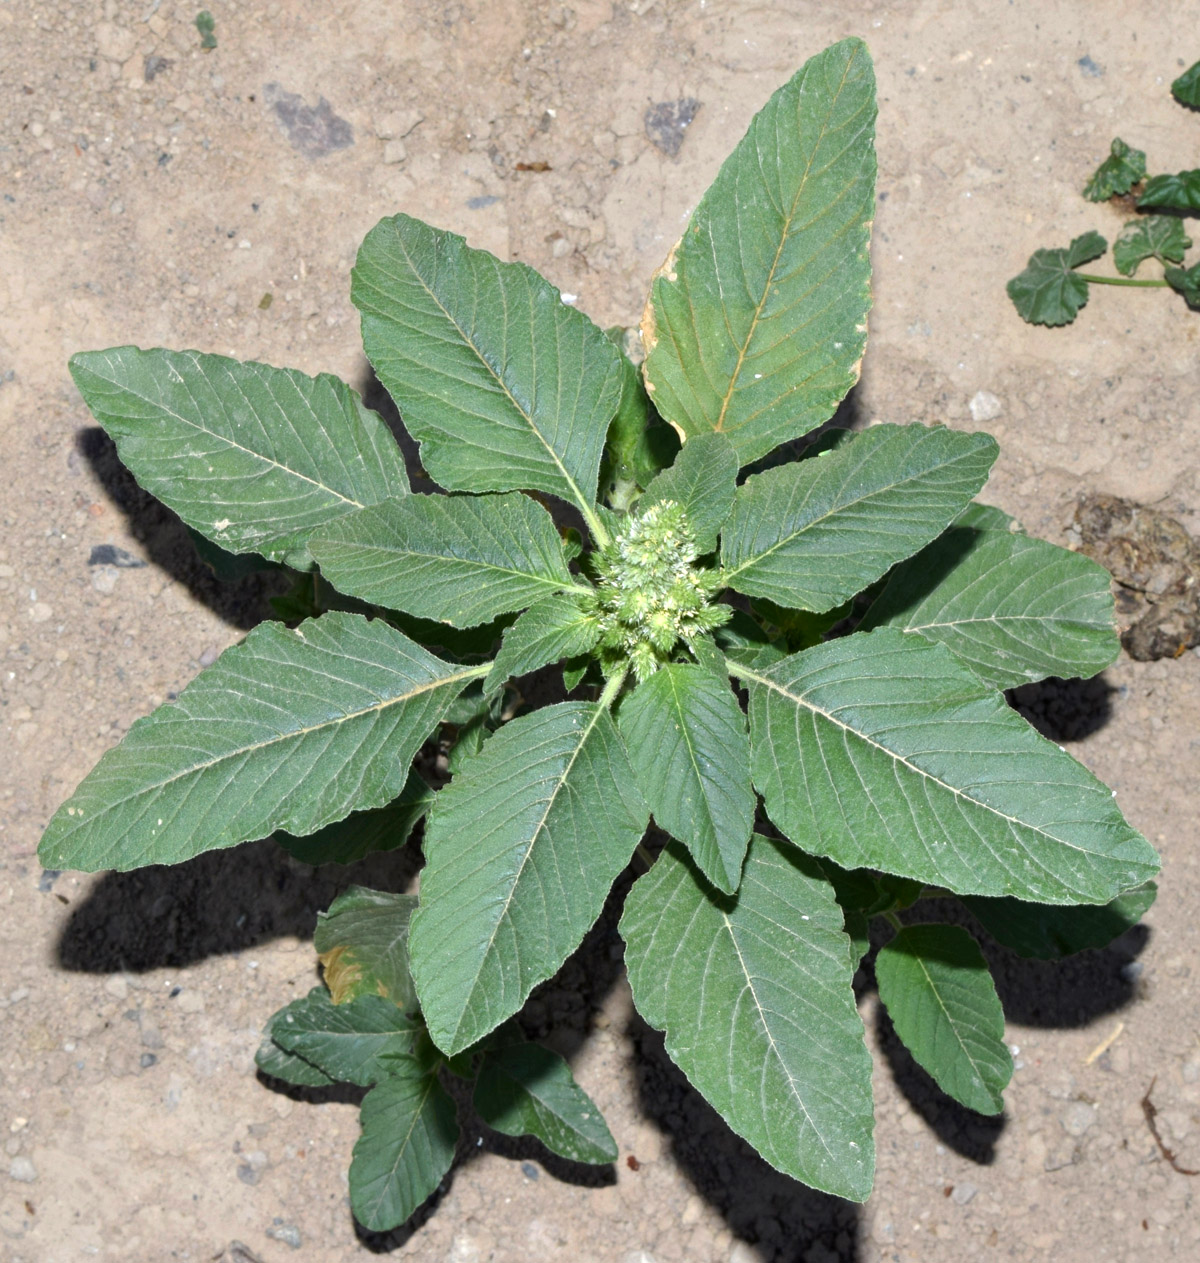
x=757 y=321
x=362 y=942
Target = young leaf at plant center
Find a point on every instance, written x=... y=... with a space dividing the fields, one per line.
x=362 y=942
x=522 y=848
x=253 y=457
x=553 y=629
x=1117 y=174
x=354 y=1042
x=1158 y=237
x=757 y=320
x=1186 y=281
x=754 y=994
x=743 y=639
x=1179 y=191
x=462 y=560
x=409 y=1131
x=687 y=740
x=1032 y=929
x=935 y=985
x=287 y=730
x=287 y=1067
x=382 y=829
x=798 y=629
x=1186 y=89
x=812 y=534
x=505 y=386
x=527 y=1090
x=881 y=750
x=702 y=481
x=1013 y=608
x=639 y=444
x=1049 y=292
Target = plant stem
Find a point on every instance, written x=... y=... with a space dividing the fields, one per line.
x=1121 y=280
x=600 y=536
x=612 y=687
x=894 y=921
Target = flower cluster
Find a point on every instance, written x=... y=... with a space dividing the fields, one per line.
x=650 y=594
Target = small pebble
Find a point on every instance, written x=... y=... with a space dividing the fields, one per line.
x=529 y=1171
x=1077 y=1118
x=985 y=406
x=289 y=1234
x=963 y=1193
x=208 y=656
x=147 y=1060
x=21 y=1168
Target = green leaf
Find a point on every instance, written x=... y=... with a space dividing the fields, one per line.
x=1179 y=191
x=702 y=481
x=935 y=985
x=287 y=730
x=754 y=994
x=687 y=740
x=362 y=832
x=1186 y=89
x=757 y=320
x=526 y=1090
x=1118 y=173
x=253 y=457
x=1049 y=292
x=362 y=942
x=522 y=848
x=639 y=445
x=1013 y=608
x=553 y=629
x=409 y=1131
x=986 y=517
x=505 y=386
x=287 y=1067
x=462 y=560
x=355 y=1042
x=870 y=893
x=881 y=750
x=1031 y=929
x=1186 y=281
x=1158 y=237
x=812 y=534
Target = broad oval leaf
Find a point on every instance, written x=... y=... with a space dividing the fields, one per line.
x=811 y=534
x=1013 y=608
x=754 y=994
x=687 y=740
x=1049 y=291
x=356 y=1042
x=702 y=481
x=362 y=942
x=409 y=1131
x=1032 y=929
x=935 y=985
x=757 y=321
x=461 y=560
x=286 y=1066
x=286 y=730
x=553 y=629
x=881 y=750
x=522 y=848
x=505 y=386
x=1158 y=237
x=252 y=457
x=527 y=1090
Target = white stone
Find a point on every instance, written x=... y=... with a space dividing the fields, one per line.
x=22 y=1169
x=394 y=151
x=985 y=406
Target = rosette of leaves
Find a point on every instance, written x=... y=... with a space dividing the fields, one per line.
x=796 y=672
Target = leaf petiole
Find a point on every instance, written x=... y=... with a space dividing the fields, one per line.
x=612 y=687
x=1121 y=280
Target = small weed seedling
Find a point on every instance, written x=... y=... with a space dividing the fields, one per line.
x=1051 y=290
x=868 y=612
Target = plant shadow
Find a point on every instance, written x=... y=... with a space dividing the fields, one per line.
x=1065 y=710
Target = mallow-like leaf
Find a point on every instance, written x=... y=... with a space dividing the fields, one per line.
x=461 y=560
x=356 y=1042
x=409 y=1131
x=702 y=481
x=882 y=750
x=362 y=942
x=1118 y=173
x=757 y=320
x=687 y=740
x=505 y=386
x=1032 y=929
x=361 y=832
x=1186 y=283
x=1178 y=191
x=553 y=629
x=1049 y=291
x=291 y=729
x=754 y=994
x=527 y=1090
x=1158 y=237
x=1186 y=89
x=811 y=534
x=935 y=985
x=521 y=847
x=252 y=457
x=1013 y=608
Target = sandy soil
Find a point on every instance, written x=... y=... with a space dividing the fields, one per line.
x=153 y=193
